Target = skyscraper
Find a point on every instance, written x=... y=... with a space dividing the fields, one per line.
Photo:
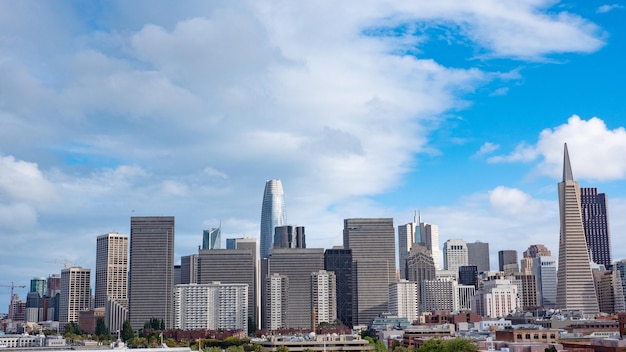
x=594 y=208
x=111 y=269
x=404 y=299
x=429 y=235
x=289 y=236
x=478 y=254
x=272 y=214
x=212 y=238
x=39 y=285
x=454 y=254
x=151 y=286
x=507 y=261
x=406 y=239
x=324 y=297
x=75 y=293
x=544 y=269
x=372 y=242
x=575 y=286
x=339 y=261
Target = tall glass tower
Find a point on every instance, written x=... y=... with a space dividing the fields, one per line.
x=212 y=238
x=272 y=214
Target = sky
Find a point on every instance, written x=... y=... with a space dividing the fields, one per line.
x=458 y=110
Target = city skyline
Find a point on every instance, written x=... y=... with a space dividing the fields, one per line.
x=370 y=110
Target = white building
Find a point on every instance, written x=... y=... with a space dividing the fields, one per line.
x=463 y=295
x=544 y=269
x=455 y=254
x=211 y=306
x=324 y=296
x=403 y=300
x=277 y=298
x=75 y=293
x=406 y=239
x=437 y=294
x=497 y=298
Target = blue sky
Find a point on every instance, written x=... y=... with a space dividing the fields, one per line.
x=362 y=109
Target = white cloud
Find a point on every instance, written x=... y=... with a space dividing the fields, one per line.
x=499 y=92
x=596 y=152
x=608 y=8
x=486 y=148
x=513 y=201
x=23 y=181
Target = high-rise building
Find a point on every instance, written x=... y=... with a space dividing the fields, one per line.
x=75 y=293
x=372 y=242
x=151 y=285
x=478 y=254
x=189 y=269
x=54 y=285
x=429 y=234
x=273 y=214
x=544 y=270
x=289 y=236
x=454 y=254
x=406 y=239
x=437 y=294
x=211 y=306
x=575 y=286
x=420 y=266
x=339 y=261
x=212 y=238
x=468 y=275
x=496 y=298
x=595 y=214
x=39 y=285
x=323 y=297
x=403 y=300
x=533 y=251
x=296 y=264
x=619 y=285
x=605 y=289
x=507 y=261
x=276 y=293
x=230 y=266
x=529 y=290
x=111 y=269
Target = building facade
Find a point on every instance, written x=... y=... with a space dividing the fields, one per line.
x=454 y=254
x=404 y=300
x=111 y=269
x=478 y=254
x=429 y=234
x=372 y=241
x=75 y=293
x=276 y=293
x=289 y=236
x=151 y=285
x=406 y=239
x=324 y=297
x=507 y=261
x=595 y=214
x=212 y=238
x=339 y=261
x=544 y=269
x=273 y=214
x=575 y=286
x=211 y=306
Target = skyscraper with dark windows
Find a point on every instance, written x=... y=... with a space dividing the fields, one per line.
x=272 y=214
x=507 y=261
x=151 y=284
x=575 y=285
x=478 y=254
x=594 y=208
x=372 y=241
x=289 y=236
x=339 y=261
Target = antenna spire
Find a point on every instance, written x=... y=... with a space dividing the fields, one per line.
x=567 y=167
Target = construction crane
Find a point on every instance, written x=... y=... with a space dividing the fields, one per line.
x=64 y=262
x=13 y=286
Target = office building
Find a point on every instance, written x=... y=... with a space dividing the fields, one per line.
x=454 y=254
x=212 y=238
x=75 y=293
x=273 y=214
x=324 y=297
x=478 y=254
x=496 y=298
x=252 y=244
x=528 y=296
x=296 y=264
x=189 y=269
x=214 y=306
x=544 y=270
x=404 y=300
x=605 y=289
x=429 y=234
x=468 y=275
x=619 y=283
x=437 y=294
x=339 y=261
x=39 y=285
x=111 y=269
x=507 y=261
x=533 y=251
x=406 y=240
x=231 y=266
x=34 y=303
x=151 y=285
x=54 y=285
x=420 y=266
x=289 y=236
x=276 y=294
x=575 y=286
x=372 y=242
x=594 y=207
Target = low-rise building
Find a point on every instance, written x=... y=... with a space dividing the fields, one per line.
x=314 y=342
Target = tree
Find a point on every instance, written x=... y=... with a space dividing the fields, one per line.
x=101 y=328
x=551 y=349
x=379 y=346
x=127 y=331
x=454 y=345
x=282 y=348
x=72 y=328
